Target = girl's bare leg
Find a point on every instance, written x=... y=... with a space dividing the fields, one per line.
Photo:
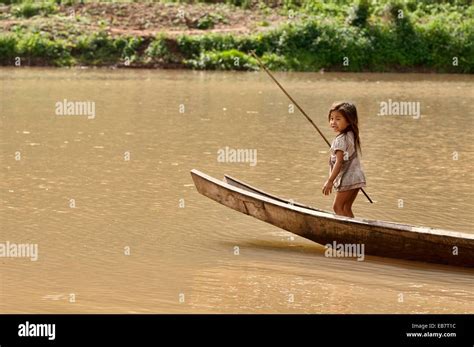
x=348 y=206
x=341 y=200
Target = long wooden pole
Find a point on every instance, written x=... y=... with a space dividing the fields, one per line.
x=299 y=108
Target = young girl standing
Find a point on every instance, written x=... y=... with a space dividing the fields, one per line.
x=345 y=172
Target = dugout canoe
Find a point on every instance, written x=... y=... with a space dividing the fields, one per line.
x=380 y=238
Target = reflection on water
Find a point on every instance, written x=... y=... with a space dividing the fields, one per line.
x=120 y=227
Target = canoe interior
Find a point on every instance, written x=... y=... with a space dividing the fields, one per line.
x=242 y=185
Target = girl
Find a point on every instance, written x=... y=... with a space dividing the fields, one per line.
x=345 y=172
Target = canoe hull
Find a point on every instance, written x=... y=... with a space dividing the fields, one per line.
x=379 y=238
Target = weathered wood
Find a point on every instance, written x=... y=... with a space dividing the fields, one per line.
x=385 y=239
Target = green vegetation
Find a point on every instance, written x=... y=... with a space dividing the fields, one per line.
x=208 y=21
x=400 y=43
x=223 y=60
x=35 y=48
x=334 y=35
x=29 y=9
x=95 y=49
x=101 y=49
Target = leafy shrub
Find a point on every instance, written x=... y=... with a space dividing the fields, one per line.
x=29 y=9
x=40 y=47
x=225 y=60
x=97 y=48
x=360 y=13
x=159 y=49
x=275 y=62
x=7 y=48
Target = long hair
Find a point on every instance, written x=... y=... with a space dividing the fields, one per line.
x=349 y=111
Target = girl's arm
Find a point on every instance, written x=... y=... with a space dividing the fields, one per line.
x=327 y=188
x=337 y=167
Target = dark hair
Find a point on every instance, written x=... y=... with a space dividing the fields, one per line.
x=349 y=111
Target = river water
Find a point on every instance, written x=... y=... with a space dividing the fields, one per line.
x=108 y=199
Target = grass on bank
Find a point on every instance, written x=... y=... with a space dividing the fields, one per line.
x=428 y=36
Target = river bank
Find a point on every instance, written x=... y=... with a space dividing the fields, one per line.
x=353 y=36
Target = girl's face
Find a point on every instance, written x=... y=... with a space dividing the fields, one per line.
x=338 y=122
